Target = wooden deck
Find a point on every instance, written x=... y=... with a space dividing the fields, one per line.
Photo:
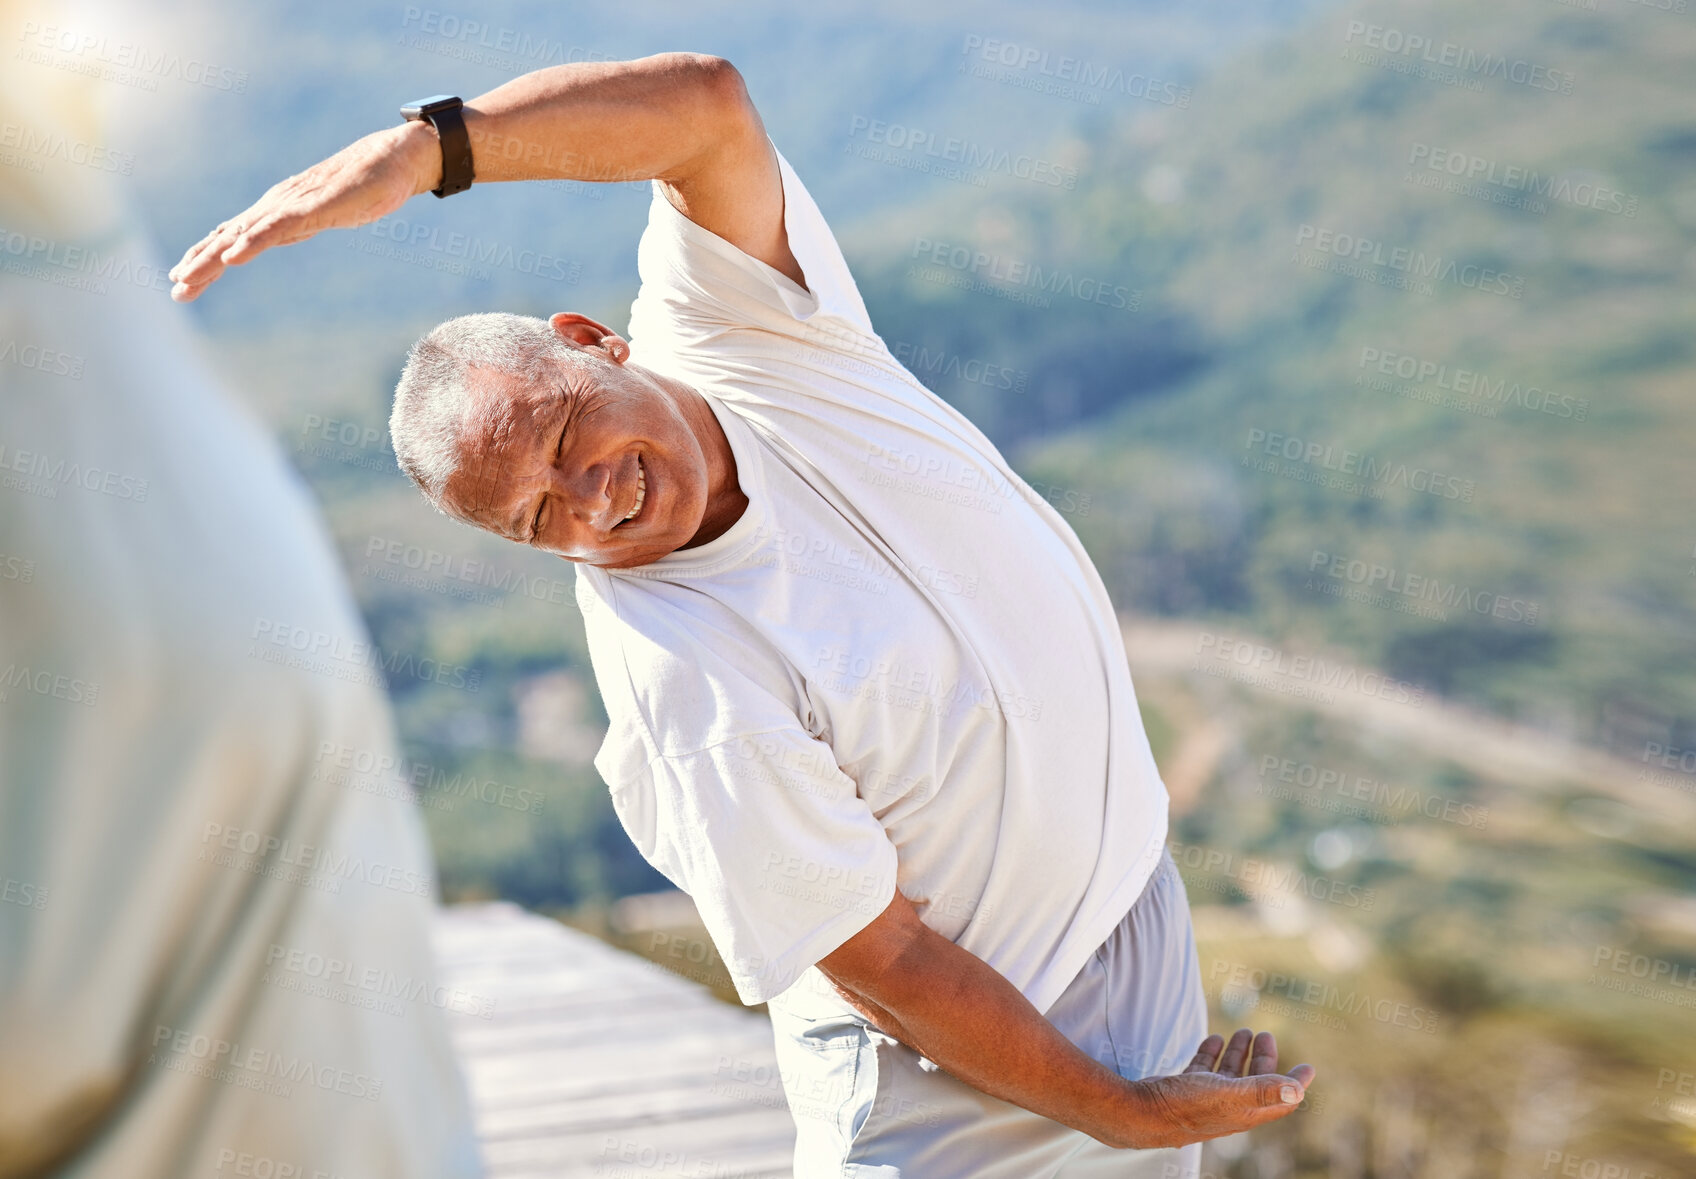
x=597 y=1063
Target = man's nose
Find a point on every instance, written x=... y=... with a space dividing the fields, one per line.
x=587 y=496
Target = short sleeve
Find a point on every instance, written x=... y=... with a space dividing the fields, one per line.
x=696 y=285
x=784 y=860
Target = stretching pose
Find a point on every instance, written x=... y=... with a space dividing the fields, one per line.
x=869 y=699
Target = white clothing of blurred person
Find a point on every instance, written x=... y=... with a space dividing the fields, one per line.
x=193 y=980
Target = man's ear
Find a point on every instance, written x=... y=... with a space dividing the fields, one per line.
x=585 y=333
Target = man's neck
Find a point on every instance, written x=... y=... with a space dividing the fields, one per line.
x=725 y=500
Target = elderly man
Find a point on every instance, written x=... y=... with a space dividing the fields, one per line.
x=869 y=700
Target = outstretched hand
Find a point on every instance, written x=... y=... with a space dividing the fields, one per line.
x=1227 y=1088
x=368 y=179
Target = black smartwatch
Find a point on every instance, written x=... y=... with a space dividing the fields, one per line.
x=442 y=111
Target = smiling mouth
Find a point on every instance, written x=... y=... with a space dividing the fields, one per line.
x=641 y=493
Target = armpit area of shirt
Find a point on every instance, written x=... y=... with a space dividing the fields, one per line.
x=796 y=300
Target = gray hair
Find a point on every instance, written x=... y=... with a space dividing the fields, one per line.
x=435 y=386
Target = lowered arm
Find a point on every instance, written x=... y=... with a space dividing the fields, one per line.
x=940 y=1000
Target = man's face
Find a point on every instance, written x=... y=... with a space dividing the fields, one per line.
x=561 y=465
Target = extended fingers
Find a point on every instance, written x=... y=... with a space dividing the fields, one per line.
x=203 y=263
x=207 y=247
x=1236 y=1052
x=1264 y=1056
x=1206 y=1054
x=206 y=259
x=249 y=241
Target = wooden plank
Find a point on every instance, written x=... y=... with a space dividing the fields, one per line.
x=584 y=1060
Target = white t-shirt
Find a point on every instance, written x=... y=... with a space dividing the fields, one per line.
x=898 y=669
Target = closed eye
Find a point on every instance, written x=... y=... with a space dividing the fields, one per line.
x=559 y=449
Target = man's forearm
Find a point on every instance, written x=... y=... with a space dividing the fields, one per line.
x=608 y=121
x=683 y=119
x=954 y=1008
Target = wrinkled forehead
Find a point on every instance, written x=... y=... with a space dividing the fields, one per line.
x=500 y=432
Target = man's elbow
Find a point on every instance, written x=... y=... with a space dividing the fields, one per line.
x=711 y=86
x=723 y=96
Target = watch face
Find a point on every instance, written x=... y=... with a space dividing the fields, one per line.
x=424 y=107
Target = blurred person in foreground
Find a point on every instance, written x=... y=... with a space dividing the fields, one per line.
x=869 y=699
x=214 y=955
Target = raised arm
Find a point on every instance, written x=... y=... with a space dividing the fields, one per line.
x=683 y=119
x=938 y=999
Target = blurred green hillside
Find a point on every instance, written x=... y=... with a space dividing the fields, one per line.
x=1571 y=442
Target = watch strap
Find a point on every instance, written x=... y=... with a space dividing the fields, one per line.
x=456 y=150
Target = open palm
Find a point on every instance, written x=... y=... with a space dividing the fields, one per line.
x=368 y=179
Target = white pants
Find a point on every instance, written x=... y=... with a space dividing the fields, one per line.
x=866 y=1108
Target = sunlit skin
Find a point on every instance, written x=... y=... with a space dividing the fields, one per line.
x=554 y=465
